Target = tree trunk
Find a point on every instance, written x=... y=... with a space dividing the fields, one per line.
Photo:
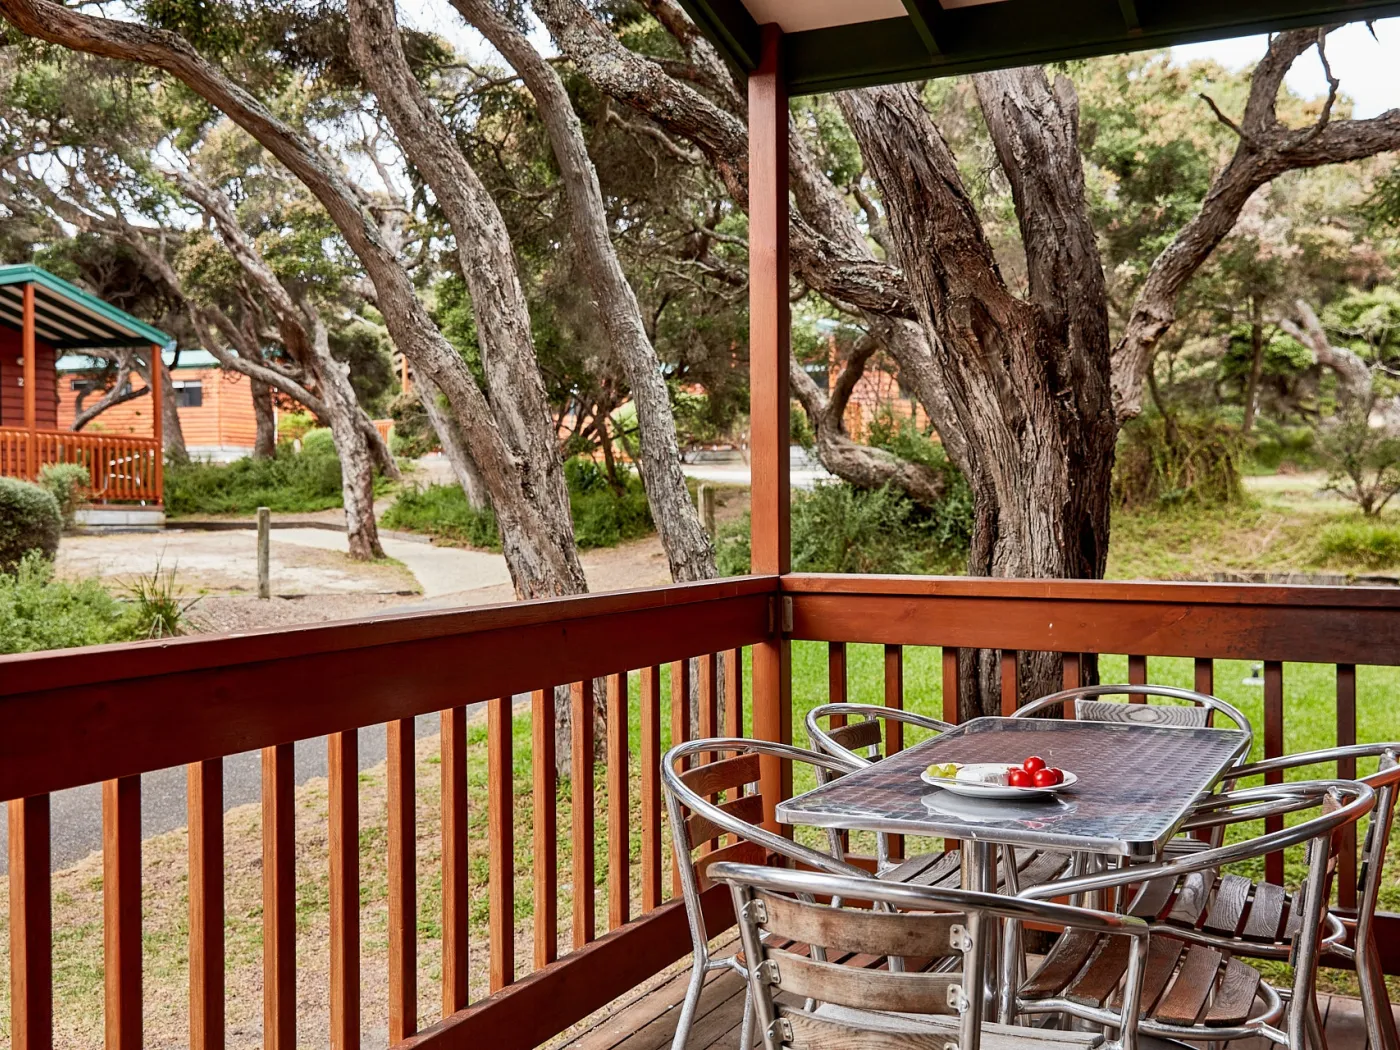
x=1256 y=361
x=175 y=450
x=265 y=441
x=449 y=436
x=688 y=548
x=1026 y=380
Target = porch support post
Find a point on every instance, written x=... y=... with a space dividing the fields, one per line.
x=769 y=433
x=31 y=386
x=158 y=424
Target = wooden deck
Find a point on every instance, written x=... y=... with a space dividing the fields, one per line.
x=648 y=1022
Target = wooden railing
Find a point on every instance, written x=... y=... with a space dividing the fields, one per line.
x=122 y=468
x=108 y=715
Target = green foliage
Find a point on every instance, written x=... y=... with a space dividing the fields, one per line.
x=289 y=482
x=38 y=612
x=1363 y=462
x=413 y=435
x=1367 y=322
x=157 y=606
x=1187 y=460
x=605 y=514
x=30 y=520
x=949 y=523
x=66 y=483
x=1276 y=445
x=293 y=425
x=1362 y=542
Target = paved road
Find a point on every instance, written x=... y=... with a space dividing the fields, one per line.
x=77 y=813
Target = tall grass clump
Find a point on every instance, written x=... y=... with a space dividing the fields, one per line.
x=1359 y=543
x=1181 y=461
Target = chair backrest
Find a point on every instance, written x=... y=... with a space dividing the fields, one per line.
x=851 y=1002
x=846 y=739
x=1198 y=711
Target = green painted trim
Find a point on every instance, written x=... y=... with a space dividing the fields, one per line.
x=730 y=28
x=28 y=273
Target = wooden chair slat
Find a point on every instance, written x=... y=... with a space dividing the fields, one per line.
x=1266 y=913
x=857 y=734
x=1152 y=898
x=723 y=775
x=1043 y=867
x=918 y=869
x=811 y=1032
x=917 y=993
x=1065 y=960
x=1231 y=897
x=1188 y=993
x=873 y=932
x=1104 y=972
x=1234 y=996
x=1192 y=897
x=1162 y=956
x=741 y=852
x=699 y=828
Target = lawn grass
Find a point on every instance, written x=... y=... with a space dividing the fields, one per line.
x=1309 y=722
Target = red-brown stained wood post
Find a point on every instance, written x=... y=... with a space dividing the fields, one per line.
x=403 y=880
x=1010 y=682
x=581 y=809
x=734 y=693
x=279 y=898
x=455 y=892
x=31 y=926
x=836 y=680
x=121 y=911
x=651 y=787
x=1346 y=770
x=1072 y=676
x=707 y=670
x=31 y=383
x=1137 y=675
x=950 y=685
x=344 y=789
x=680 y=733
x=1273 y=748
x=500 y=819
x=546 y=827
x=158 y=420
x=619 y=824
x=1205 y=676
x=894 y=731
x=769 y=404
x=204 y=792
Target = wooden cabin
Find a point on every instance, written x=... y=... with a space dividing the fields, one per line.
x=43 y=317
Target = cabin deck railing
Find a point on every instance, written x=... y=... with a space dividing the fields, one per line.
x=109 y=714
x=122 y=468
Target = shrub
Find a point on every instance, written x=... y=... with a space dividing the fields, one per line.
x=289 y=482
x=1363 y=462
x=1189 y=460
x=294 y=425
x=38 y=612
x=30 y=520
x=413 y=433
x=443 y=511
x=949 y=522
x=1363 y=543
x=67 y=483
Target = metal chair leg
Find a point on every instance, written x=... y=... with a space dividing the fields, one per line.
x=1375 y=1000
x=1317 y=1038
x=688 y=1007
x=746 y=1028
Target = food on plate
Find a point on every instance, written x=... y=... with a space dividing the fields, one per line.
x=1034 y=764
x=983 y=773
x=1019 y=778
x=944 y=770
x=1046 y=777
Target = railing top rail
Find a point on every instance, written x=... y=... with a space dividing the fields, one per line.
x=1180 y=592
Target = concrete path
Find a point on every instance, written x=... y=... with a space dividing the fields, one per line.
x=439 y=570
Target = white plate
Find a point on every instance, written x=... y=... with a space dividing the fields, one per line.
x=976 y=789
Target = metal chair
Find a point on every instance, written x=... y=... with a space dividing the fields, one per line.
x=825 y=1006
x=859 y=744
x=1193 y=988
x=699 y=818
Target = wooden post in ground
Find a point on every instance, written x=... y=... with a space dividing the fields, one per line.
x=158 y=420
x=264 y=552
x=769 y=406
x=706 y=495
x=31 y=387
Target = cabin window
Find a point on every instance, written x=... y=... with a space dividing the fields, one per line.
x=189 y=393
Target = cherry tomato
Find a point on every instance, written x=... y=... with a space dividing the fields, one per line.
x=1044 y=778
x=1033 y=764
x=1019 y=778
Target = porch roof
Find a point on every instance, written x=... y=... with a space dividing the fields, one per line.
x=68 y=318
x=831 y=45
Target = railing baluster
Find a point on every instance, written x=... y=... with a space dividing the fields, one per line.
x=1071 y=677
x=455 y=892
x=680 y=732
x=708 y=672
x=950 y=685
x=734 y=693
x=546 y=827
x=581 y=809
x=205 y=795
x=619 y=824
x=1010 y=682
x=1137 y=675
x=651 y=787
x=31 y=926
x=344 y=789
x=836 y=679
x=121 y=911
x=500 y=817
x=279 y=898
x=1205 y=676
x=1346 y=770
x=403 y=880
x=894 y=731
x=1273 y=748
